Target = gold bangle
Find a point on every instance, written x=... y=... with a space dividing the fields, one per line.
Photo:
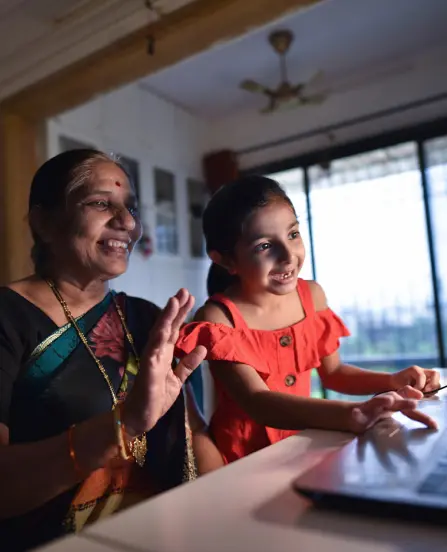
x=72 y=452
x=136 y=448
x=119 y=430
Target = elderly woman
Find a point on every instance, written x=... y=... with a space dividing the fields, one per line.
x=92 y=415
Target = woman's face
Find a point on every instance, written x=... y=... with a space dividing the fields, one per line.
x=100 y=227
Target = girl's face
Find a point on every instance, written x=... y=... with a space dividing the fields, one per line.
x=270 y=253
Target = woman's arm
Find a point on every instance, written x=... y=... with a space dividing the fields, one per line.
x=32 y=474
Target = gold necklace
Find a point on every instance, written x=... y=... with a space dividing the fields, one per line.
x=138 y=445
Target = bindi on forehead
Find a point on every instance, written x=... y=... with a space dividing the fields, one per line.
x=118 y=183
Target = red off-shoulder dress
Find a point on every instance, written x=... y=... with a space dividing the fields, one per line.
x=283 y=358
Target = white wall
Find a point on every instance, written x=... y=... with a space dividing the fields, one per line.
x=409 y=81
x=135 y=123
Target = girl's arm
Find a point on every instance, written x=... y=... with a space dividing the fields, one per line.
x=352 y=380
x=282 y=411
x=279 y=410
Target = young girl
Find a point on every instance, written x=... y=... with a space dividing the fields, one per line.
x=268 y=328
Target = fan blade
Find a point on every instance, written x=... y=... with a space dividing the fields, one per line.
x=253 y=86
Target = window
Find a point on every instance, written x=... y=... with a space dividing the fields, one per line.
x=376 y=249
x=197 y=199
x=436 y=161
x=166 y=234
x=372 y=259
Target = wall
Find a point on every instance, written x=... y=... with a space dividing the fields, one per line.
x=134 y=122
x=401 y=83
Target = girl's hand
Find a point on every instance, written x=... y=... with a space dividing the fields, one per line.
x=365 y=415
x=422 y=379
x=157 y=385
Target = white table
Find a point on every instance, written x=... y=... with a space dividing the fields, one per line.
x=249 y=506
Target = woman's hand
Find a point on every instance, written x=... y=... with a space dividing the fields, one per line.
x=365 y=415
x=157 y=385
x=420 y=378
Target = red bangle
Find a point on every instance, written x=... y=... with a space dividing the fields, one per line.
x=72 y=452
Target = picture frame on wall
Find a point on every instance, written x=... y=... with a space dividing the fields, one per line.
x=166 y=230
x=197 y=199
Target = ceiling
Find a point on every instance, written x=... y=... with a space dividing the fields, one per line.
x=39 y=37
x=352 y=41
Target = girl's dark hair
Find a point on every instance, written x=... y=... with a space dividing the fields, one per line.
x=225 y=216
x=53 y=182
x=218 y=280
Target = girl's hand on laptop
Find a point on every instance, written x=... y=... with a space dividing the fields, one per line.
x=366 y=414
x=422 y=379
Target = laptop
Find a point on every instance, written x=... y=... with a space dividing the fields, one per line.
x=397 y=468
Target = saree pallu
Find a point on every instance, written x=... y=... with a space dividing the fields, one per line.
x=61 y=385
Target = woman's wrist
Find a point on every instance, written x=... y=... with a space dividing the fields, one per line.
x=95 y=443
x=131 y=421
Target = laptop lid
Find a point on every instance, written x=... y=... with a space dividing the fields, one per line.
x=398 y=462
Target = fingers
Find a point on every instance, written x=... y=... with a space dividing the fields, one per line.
x=418 y=376
x=433 y=380
x=410 y=392
x=190 y=362
x=171 y=318
x=421 y=417
x=186 y=303
x=161 y=332
x=396 y=403
x=406 y=401
x=392 y=401
x=370 y=412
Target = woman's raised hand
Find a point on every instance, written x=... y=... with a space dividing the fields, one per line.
x=157 y=384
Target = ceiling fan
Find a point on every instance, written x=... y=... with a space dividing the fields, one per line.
x=286 y=95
